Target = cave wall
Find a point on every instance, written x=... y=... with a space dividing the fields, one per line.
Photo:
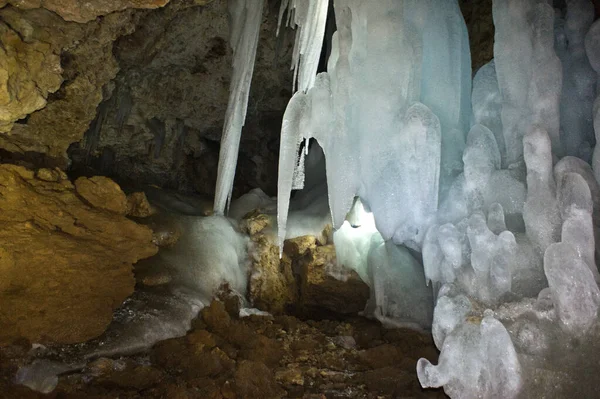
x=161 y=123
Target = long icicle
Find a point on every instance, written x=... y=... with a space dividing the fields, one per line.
x=246 y=18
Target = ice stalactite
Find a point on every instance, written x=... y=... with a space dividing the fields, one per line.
x=374 y=113
x=246 y=18
x=309 y=17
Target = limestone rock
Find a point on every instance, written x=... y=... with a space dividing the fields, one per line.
x=101 y=192
x=64 y=265
x=271 y=286
x=29 y=71
x=325 y=284
x=56 y=82
x=138 y=205
x=298 y=246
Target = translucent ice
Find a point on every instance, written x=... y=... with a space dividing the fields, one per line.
x=476 y=360
x=575 y=293
x=487 y=104
x=541 y=214
x=529 y=75
x=398 y=288
x=245 y=28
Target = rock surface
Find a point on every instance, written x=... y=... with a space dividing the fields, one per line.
x=64 y=264
x=307 y=277
x=162 y=123
x=328 y=285
x=57 y=71
x=254 y=357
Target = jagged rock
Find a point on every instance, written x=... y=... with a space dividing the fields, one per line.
x=29 y=71
x=53 y=67
x=101 y=192
x=325 y=284
x=271 y=285
x=64 y=265
x=138 y=205
x=254 y=223
x=297 y=247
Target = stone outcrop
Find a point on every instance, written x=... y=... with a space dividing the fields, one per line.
x=84 y=11
x=57 y=71
x=306 y=278
x=65 y=265
x=326 y=284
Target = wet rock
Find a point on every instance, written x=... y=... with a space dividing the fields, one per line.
x=64 y=265
x=101 y=192
x=138 y=205
x=255 y=380
x=325 y=284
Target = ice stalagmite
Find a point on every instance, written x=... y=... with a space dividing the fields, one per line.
x=529 y=76
x=246 y=17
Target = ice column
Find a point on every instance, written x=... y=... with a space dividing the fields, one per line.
x=246 y=17
x=529 y=74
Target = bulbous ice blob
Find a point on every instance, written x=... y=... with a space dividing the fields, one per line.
x=575 y=293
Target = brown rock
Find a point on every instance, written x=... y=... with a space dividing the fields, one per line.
x=101 y=192
x=138 y=205
x=63 y=264
x=42 y=55
x=297 y=247
x=325 y=284
x=255 y=380
x=381 y=356
x=254 y=223
x=216 y=317
x=272 y=286
x=390 y=381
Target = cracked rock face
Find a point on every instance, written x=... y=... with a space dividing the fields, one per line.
x=65 y=265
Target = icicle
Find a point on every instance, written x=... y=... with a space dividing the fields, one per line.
x=288 y=155
x=309 y=16
x=246 y=17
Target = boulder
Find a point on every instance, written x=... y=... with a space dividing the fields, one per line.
x=326 y=284
x=65 y=265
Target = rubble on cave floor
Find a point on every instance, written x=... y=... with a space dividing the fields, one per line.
x=224 y=356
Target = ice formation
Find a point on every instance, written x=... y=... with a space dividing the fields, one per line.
x=246 y=18
x=492 y=186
